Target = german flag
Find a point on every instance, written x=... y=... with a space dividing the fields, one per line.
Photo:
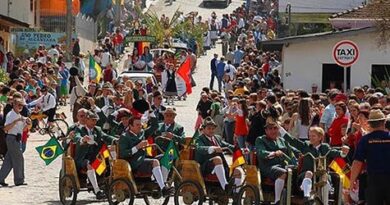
x=342 y=168
x=149 y=149
x=99 y=165
x=238 y=158
x=104 y=151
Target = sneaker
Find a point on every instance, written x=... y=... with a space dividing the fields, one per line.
x=100 y=195
x=3 y=184
x=167 y=191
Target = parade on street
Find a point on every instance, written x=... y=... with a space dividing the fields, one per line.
x=184 y=102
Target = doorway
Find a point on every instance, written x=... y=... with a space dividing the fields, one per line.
x=333 y=77
x=379 y=73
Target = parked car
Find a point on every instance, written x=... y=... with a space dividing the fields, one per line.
x=138 y=76
x=207 y=3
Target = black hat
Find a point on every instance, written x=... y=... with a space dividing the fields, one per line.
x=208 y=121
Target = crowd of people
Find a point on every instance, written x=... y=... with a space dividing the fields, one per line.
x=249 y=109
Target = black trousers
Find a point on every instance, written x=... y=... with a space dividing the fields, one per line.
x=378 y=189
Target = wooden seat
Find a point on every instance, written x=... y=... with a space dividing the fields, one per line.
x=268 y=181
x=139 y=174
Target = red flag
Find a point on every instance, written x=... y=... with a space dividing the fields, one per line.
x=184 y=72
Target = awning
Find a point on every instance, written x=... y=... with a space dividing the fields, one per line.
x=11 y=22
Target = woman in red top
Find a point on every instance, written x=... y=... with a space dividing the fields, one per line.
x=241 y=128
x=335 y=128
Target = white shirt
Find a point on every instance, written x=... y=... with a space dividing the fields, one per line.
x=10 y=118
x=106 y=58
x=53 y=52
x=232 y=70
x=47 y=102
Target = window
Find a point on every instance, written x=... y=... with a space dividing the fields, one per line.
x=379 y=73
x=32 y=5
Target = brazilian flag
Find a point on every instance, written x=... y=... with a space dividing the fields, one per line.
x=50 y=151
x=169 y=156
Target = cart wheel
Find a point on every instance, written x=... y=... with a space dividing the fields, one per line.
x=121 y=192
x=189 y=192
x=68 y=190
x=248 y=195
x=41 y=126
x=59 y=128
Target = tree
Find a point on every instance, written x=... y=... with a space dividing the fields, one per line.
x=382 y=18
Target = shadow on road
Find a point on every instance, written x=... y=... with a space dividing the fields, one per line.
x=79 y=202
x=212 y=6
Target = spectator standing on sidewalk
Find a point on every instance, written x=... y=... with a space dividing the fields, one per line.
x=14 y=125
x=220 y=72
x=213 y=68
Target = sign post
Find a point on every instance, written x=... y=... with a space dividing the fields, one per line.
x=345 y=54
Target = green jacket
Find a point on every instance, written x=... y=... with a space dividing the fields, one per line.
x=116 y=128
x=89 y=152
x=177 y=131
x=202 y=145
x=306 y=147
x=129 y=140
x=264 y=146
x=99 y=101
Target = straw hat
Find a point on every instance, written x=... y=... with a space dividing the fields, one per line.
x=376 y=115
x=170 y=110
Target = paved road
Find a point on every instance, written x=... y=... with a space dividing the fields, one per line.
x=43 y=180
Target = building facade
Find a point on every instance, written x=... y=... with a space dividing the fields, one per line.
x=308 y=59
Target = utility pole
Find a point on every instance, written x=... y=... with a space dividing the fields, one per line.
x=69 y=26
x=118 y=12
x=288 y=11
x=9 y=3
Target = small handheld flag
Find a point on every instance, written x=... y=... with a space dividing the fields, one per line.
x=169 y=156
x=50 y=151
x=149 y=149
x=238 y=158
x=99 y=165
x=341 y=167
x=104 y=151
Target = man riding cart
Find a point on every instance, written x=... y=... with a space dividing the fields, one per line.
x=274 y=154
x=89 y=141
x=132 y=147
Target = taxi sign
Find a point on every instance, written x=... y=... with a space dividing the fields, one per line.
x=345 y=53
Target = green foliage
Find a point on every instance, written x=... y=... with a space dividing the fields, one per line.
x=4 y=78
x=377 y=83
x=165 y=31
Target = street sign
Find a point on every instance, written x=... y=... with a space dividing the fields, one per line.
x=345 y=53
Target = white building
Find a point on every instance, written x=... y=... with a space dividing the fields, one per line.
x=17 y=14
x=308 y=59
x=21 y=10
